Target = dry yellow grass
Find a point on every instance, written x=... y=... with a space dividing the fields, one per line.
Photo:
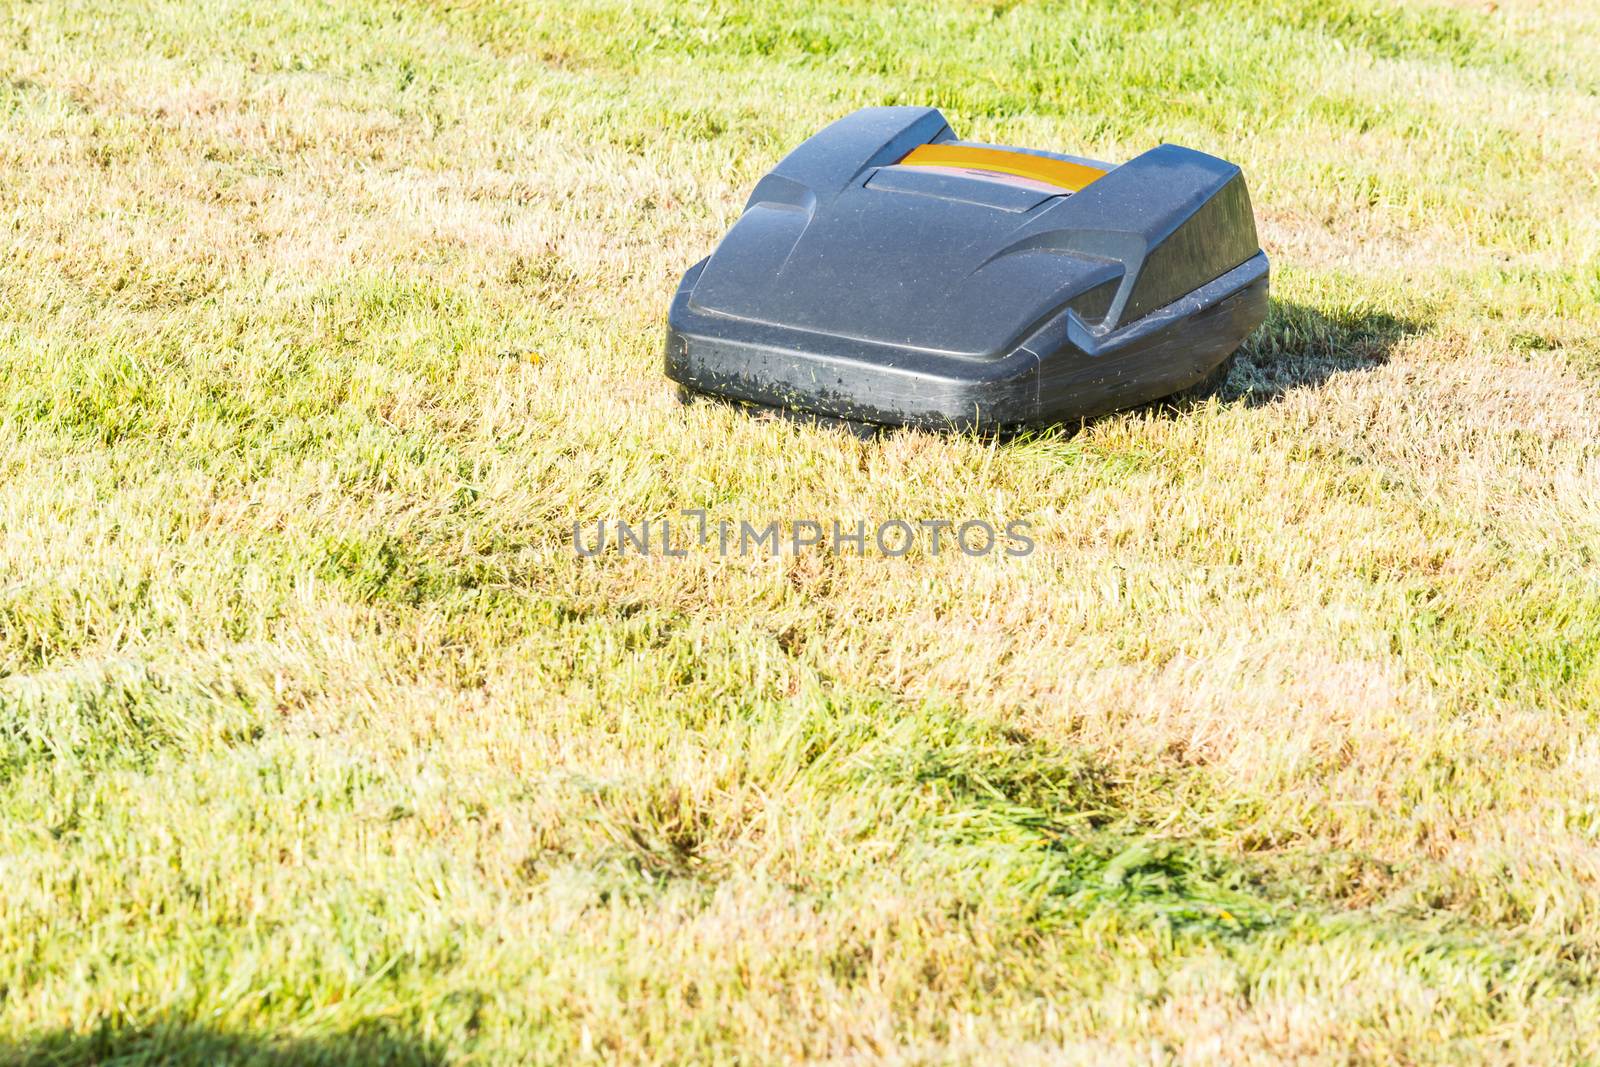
x=321 y=324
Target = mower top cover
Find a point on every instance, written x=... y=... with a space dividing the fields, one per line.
x=885 y=272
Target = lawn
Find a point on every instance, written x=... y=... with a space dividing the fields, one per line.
x=322 y=323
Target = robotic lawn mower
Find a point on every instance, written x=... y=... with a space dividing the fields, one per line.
x=887 y=273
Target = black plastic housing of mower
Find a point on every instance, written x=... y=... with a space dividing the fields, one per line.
x=859 y=286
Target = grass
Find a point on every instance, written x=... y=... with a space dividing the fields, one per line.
x=321 y=324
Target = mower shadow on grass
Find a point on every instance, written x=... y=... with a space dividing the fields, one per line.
x=181 y=1044
x=1302 y=347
